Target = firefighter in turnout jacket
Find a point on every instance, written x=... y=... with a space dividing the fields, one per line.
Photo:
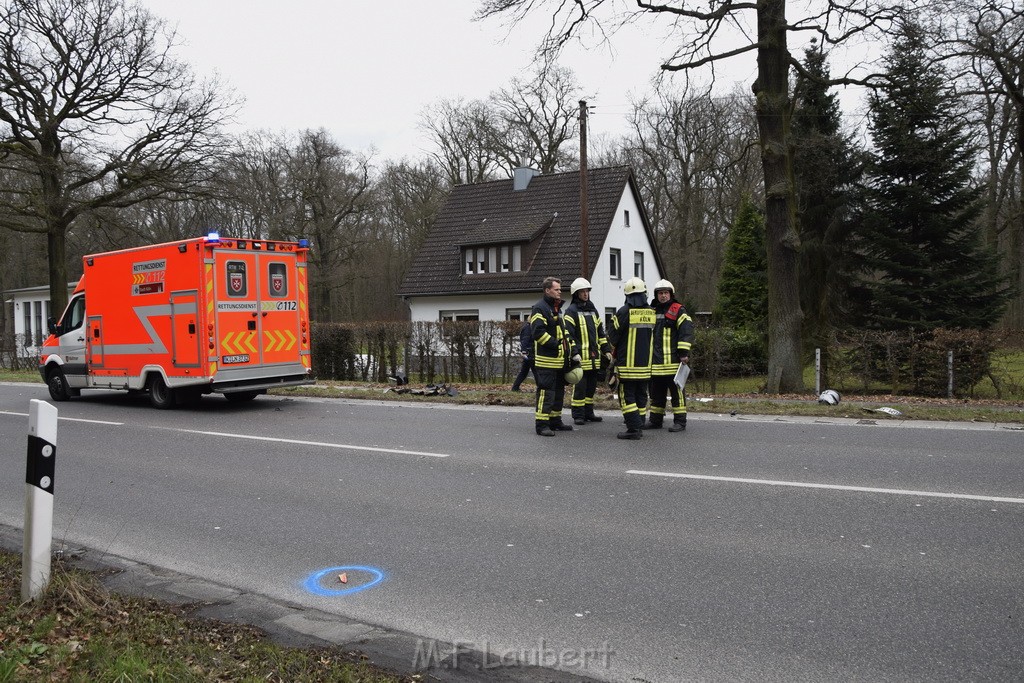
x=631 y=335
x=552 y=350
x=583 y=321
x=673 y=337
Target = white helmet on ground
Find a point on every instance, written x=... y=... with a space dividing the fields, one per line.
x=580 y=283
x=634 y=285
x=829 y=397
x=664 y=284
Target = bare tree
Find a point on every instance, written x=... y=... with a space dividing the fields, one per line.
x=707 y=36
x=989 y=36
x=330 y=187
x=538 y=121
x=406 y=200
x=95 y=112
x=464 y=135
x=693 y=157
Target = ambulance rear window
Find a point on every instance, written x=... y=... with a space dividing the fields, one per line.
x=278 y=283
x=237 y=280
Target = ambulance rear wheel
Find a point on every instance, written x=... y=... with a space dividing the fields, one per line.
x=160 y=395
x=58 y=385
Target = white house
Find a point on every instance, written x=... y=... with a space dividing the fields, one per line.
x=27 y=311
x=494 y=243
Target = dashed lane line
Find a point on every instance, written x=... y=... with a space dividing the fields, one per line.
x=832 y=487
x=324 y=444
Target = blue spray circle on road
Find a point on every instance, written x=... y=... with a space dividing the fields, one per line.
x=312 y=583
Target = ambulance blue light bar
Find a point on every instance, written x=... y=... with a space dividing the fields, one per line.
x=213 y=236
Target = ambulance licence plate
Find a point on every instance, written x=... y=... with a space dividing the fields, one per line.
x=234 y=360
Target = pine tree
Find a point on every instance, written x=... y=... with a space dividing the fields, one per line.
x=924 y=264
x=826 y=165
x=743 y=285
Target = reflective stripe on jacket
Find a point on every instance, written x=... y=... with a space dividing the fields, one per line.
x=583 y=322
x=673 y=337
x=551 y=343
x=632 y=335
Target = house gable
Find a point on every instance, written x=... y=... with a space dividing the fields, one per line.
x=491 y=240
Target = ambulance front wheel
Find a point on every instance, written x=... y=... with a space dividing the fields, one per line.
x=58 y=385
x=160 y=395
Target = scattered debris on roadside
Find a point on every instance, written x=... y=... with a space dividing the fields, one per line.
x=429 y=390
x=885 y=409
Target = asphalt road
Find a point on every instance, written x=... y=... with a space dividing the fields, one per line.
x=743 y=549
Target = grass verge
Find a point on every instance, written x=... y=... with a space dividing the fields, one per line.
x=78 y=631
x=736 y=396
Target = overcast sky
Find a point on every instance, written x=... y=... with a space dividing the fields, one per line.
x=365 y=69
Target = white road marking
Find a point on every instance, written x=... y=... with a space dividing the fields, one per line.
x=67 y=419
x=833 y=487
x=325 y=444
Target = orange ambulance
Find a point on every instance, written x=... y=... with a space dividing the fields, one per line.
x=183 y=319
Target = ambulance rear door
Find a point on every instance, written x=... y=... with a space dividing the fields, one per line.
x=256 y=306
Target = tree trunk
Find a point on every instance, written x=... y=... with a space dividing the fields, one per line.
x=56 y=248
x=773 y=110
x=1015 y=313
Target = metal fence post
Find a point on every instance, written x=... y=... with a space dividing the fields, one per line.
x=949 y=369
x=39 y=475
x=817 y=371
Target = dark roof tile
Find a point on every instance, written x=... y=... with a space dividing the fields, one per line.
x=492 y=213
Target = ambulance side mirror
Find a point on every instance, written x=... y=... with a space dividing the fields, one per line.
x=51 y=326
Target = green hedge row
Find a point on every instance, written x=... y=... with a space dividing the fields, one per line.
x=911 y=362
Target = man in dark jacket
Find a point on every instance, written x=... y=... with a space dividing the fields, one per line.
x=552 y=349
x=631 y=335
x=673 y=337
x=526 y=351
x=583 y=321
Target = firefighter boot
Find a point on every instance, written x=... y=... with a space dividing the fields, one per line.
x=654 y=421
x=578 y=416
x=556 y=424
x=591 y=417
x=678 y=424
x=543 y=429
x=631 y=434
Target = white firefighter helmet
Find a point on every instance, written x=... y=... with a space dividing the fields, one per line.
x=664 y=284
x=634 y=285
x=578 y=284
x=575 y=375
x=829 y=397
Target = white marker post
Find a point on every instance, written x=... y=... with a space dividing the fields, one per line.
x=42 y=452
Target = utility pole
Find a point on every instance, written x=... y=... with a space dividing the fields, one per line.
x=584 y=240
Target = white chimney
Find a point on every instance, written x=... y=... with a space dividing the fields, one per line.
x=521 y=178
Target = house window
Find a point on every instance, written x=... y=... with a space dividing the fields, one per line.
x=638 y=264
x=615 y=264
x=27 y=332
x=609 y=313
x=39 y=323
x=625 y=218
x=497 y=259
x=458 y=315
x=522 y=314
